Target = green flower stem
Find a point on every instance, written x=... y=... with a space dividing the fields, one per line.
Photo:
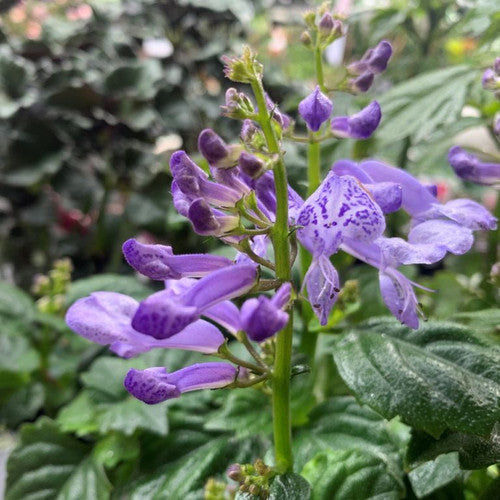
x=318 y=60
x=225 y=353
x=279 y=235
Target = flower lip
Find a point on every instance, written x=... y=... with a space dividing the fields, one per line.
x=211 y=146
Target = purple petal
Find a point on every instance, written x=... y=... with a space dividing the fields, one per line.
x=180 y=200
x=212 y=147
x=323 y=287
x=315 y=109
x=416 y=198
x=151 y=385
x=397 y=251
x=194 y=183
x=399 y=297
x=360 y=125
x=226 y=314
x=388 y=195
x=223 y=284
x=250 y=164
x=468 y=167
x=199 y=336
x=469 y=213
x=380 y=56
x=489 y=79
x=210 y=222
x=363 y=82
x=284 y=120
x=348 y=167
x=159 y=263
x=203 y=376
x=451 y=236
x=103 y=317
x=263 y=317
x=338 y=209
x=161 y=317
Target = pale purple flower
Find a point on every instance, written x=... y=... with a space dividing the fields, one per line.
x=470 y=168
x=360 y=125
x=490 y=80
x=315 y=109
x=162 y=315
x=155 y=385
x=263 y=317
x=337 y=210
x=105 y=318
x=158 y=262
x=209 y=221
x=374 y=60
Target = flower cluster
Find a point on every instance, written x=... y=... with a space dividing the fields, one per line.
x=243 y=198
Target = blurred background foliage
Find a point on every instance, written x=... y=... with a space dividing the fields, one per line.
x=94 y=97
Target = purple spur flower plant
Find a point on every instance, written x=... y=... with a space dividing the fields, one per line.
x=360 y=125
x=315 y=109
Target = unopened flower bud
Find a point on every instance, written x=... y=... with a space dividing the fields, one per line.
x=234 y=472
x=212 y=147
x=248 y=131
x=242 y=69
x=306 y=39
x=254 y=489
x=489 y=80
x=496 y=66
x=325 y=24
x=310 y=18
x=250 y=164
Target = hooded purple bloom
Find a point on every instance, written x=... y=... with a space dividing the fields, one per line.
x=374 y=60
x=105 y=318
x=212 y=147
x=193 y=183
x=362 y=83
x=360 y=125
x=468 y=167
x=250 y=165
x=158 y=262
x=162 y=315
x=209 y=221
x=155 y=385
x=340 y=208
x=315 y=109
x=263 y=317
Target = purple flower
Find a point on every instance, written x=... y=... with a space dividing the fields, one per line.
x=468 y=167
x=337 y=210
x=162 y=315
x=105 y=318
x=250 y=165
x=193 y=183
x=490 y=80
x=374 y=60
x=158 y=262
x=360 y=125
x=155 y=385
x=208 y=221
x=362 y=83
x=315 y=109
x=263 y=317
x=212 y=147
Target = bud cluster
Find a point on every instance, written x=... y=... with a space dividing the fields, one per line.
x=323 y=28
x=51 y=288
x=252 y=478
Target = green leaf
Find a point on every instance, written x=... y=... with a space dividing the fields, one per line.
x=289 y=487
x=423 y=104
x=348 y=474
x=79 y=416
x=47 y=464
x=107 y=282
x=342 y=424
x=432 y=475
x=439 y=377
x=187 y=475
x=23 y=405
x=114 y=448
x=484 y=321
x=87 y=482
x=474 y=452
x=15 y=303
x=245 y=411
